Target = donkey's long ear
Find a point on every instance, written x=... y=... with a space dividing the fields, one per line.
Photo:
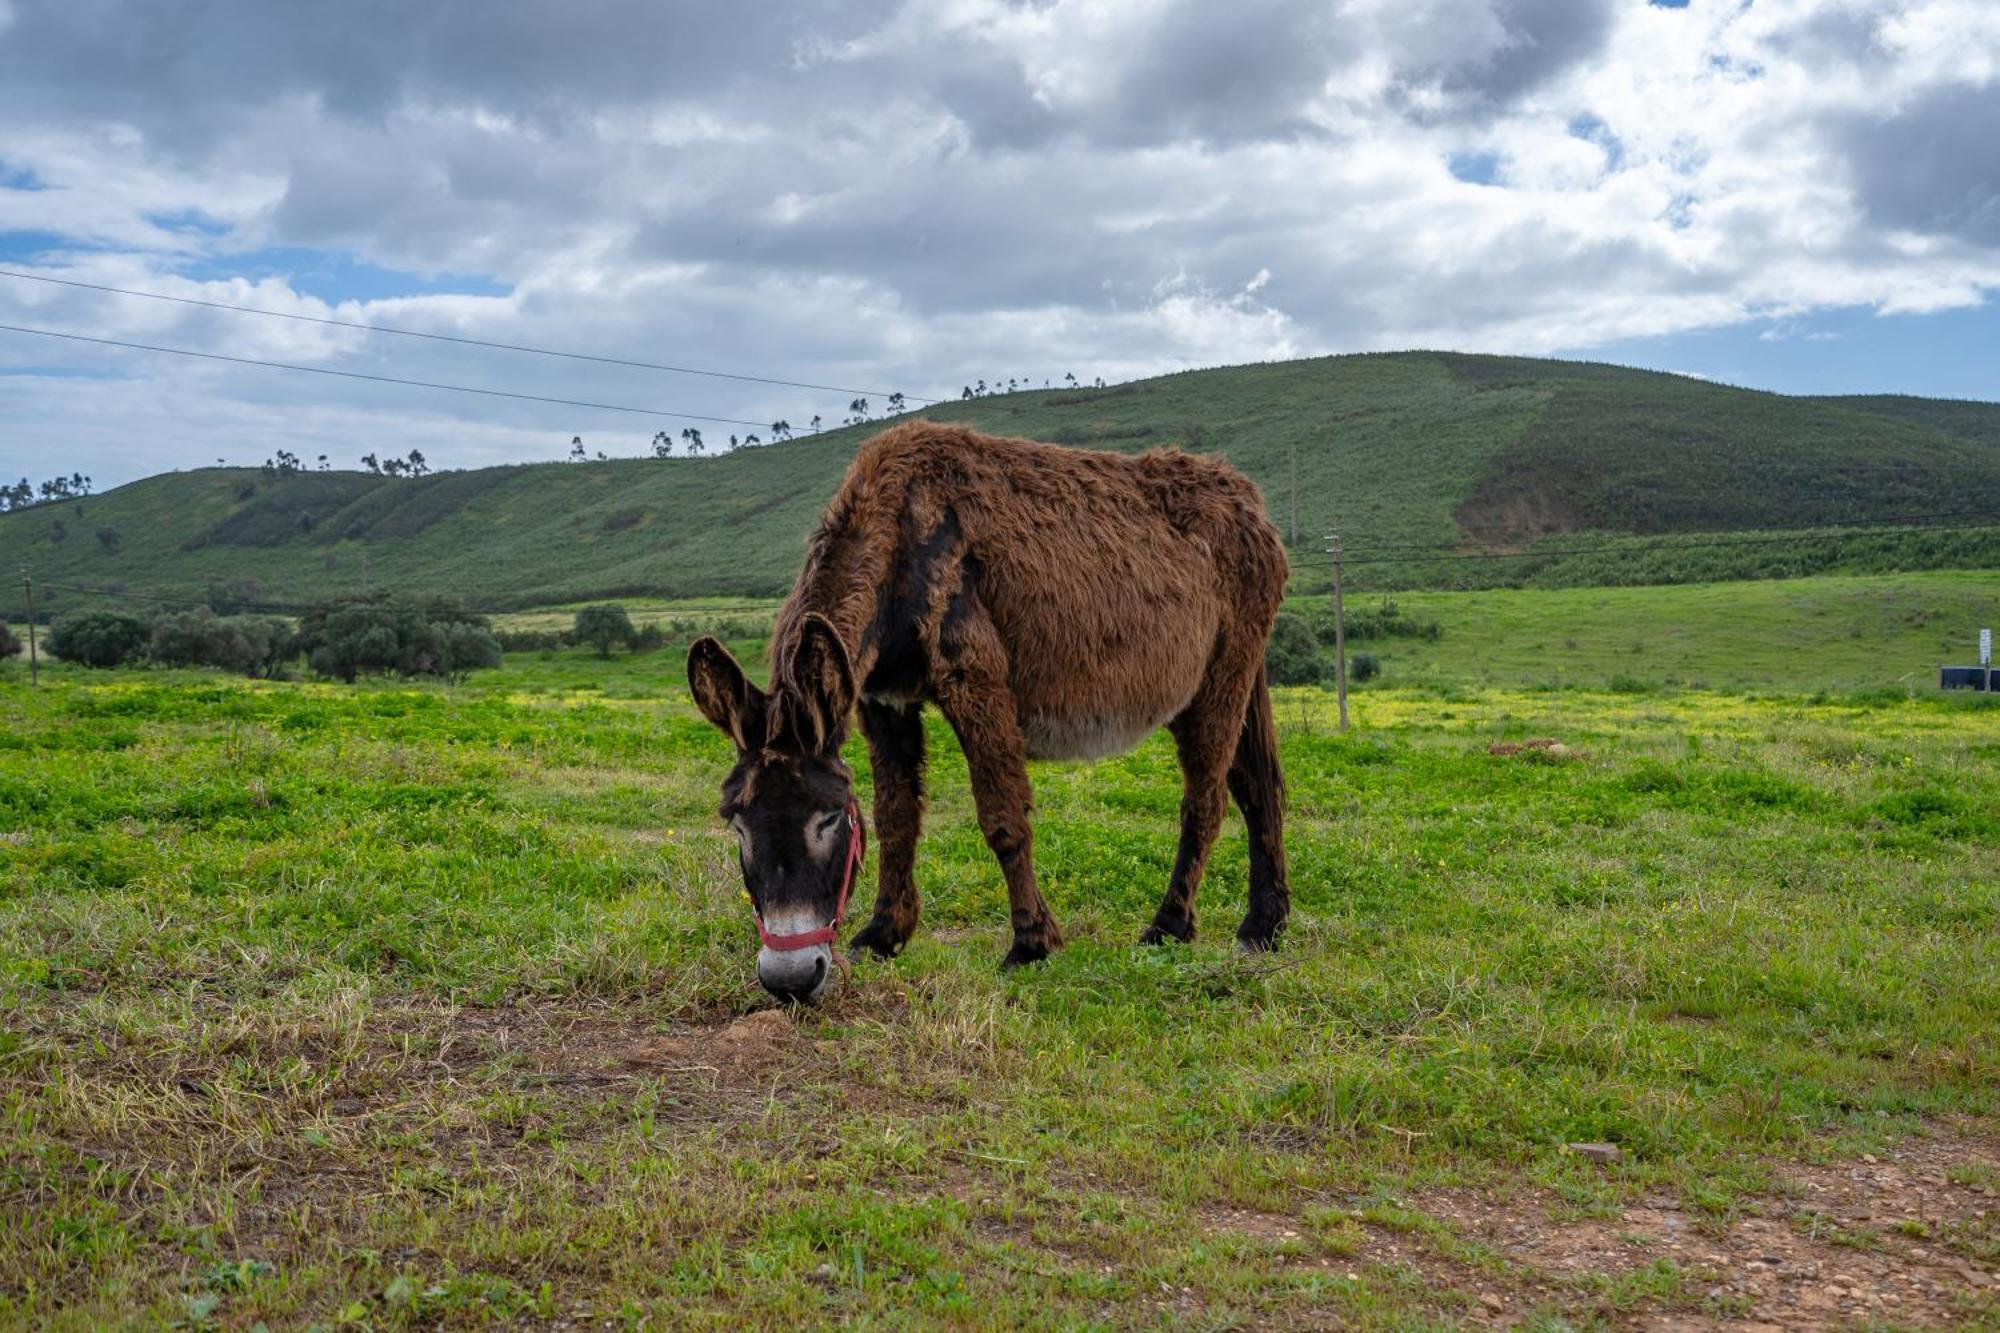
x=724 y=694
x=824 y=678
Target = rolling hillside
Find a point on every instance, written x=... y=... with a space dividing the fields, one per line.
x=1485 y=456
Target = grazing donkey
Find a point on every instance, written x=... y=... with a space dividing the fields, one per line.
x=1053 y=603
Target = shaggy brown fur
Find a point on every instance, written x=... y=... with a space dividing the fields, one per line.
x=1051 y=602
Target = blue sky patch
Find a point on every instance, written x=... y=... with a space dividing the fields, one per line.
x=189 y=221
x=18 y=178
x=24 y=247
x=1944 y=354
x=1594 y=130
x=1480 y=168
x=337 y=275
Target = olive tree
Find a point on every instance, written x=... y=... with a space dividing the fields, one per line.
x=99 y=638
x=380 y=636
x=603 y=626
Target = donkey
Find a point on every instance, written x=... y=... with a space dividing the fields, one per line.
x=1052 y=603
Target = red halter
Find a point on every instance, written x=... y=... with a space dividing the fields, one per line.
x=857 y=847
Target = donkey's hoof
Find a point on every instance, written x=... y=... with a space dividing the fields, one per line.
x=1259 y=936
x=1164 y=934
x=1023 y=953
x=877 y=938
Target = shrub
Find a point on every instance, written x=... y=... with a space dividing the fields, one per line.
x=378 y=636
x=184 y=638
x=1292 y=656
x=253 y=645
x=268 y=645
x=10 y=644
x=1384 y=620
x=603 y=626
x=1363 y=666
x=461 y=648
x=99 y=638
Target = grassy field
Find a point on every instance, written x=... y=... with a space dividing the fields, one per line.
x=1834 y=632
x=411 y=1006
x=1888 y=631
x=1400 y=449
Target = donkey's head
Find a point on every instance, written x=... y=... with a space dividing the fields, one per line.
x=790 y=798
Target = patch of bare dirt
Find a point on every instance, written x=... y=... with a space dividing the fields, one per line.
x=1910 y=1238
x=751 y=1045
x=1458 y=1288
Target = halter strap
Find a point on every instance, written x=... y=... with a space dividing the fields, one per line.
x=857 y=847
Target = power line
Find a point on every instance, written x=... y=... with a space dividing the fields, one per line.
x=385 y=379
x=274 y=608
x=454 y=338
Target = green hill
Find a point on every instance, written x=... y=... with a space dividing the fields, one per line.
x=1414 y=454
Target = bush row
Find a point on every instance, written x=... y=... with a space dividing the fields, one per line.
x=344 y=640
x=610 y=626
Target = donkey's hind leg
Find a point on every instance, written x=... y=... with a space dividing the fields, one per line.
x=895 y=735
x=1259 y=788
x=1205 y=735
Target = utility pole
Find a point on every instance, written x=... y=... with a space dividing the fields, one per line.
x=1292 y=453
x=34 y=649
x=1339 y=626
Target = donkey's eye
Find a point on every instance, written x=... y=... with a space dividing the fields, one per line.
x=826 y=824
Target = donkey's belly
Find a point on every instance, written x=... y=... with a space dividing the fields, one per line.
x=1087 y=737
x=1106 y=721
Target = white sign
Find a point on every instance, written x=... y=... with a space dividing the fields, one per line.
x=1986 y=647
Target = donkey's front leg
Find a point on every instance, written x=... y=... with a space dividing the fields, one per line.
x=997 y=755
x=896 y=754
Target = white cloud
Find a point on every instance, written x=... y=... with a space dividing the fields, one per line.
x=967 y=187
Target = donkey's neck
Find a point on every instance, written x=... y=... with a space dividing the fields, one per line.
x=835 y=584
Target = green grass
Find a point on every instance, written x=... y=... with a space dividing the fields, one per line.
x=1887 y=631
x=399 y=1007
x=1410 y=448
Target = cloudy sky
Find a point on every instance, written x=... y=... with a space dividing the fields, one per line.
x=1793 y=194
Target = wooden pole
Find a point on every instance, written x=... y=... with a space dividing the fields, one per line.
x=1292 y=452
x=34 y=649
x=1339 y=627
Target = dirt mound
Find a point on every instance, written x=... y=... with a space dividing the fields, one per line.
x=758 y=1038
x=748 y=1046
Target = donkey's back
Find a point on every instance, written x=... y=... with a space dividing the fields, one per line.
x=1110 y=580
